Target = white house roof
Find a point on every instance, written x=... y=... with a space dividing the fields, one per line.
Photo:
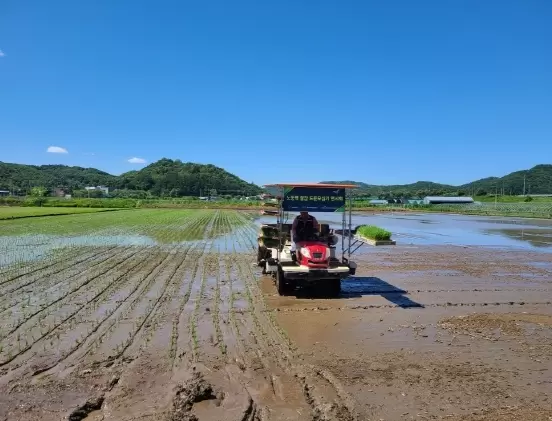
x=449 y=198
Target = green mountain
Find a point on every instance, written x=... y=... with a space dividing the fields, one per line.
x=175 y=178
x=538 y=180
x=165 y=177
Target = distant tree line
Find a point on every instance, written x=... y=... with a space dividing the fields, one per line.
x=174 y=178
x=537 y=180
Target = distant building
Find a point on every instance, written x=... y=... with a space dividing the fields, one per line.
x=103 y=189
x=378 y=202
x=4 y=193
x=439 y=200
x=59 y=192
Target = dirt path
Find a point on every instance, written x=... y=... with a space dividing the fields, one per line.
x=191 y=331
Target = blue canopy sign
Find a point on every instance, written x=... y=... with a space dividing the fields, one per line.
x=314 y=199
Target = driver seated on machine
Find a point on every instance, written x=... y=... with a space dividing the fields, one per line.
x=304 y=228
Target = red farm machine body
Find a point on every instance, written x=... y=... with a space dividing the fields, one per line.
x=314 y=262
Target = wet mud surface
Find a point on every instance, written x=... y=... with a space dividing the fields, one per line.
x=192 y=331
x=434 y=333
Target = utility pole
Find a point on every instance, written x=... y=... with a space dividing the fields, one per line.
x=524 y=175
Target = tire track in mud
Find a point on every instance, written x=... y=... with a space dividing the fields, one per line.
x=372 y=306
x=376 y=291
x=318 y=390
x=63 y=321
x=223 y=376
x=262 y=359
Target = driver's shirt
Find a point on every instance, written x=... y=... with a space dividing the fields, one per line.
x=296 y=220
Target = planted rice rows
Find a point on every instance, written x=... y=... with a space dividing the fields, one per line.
x=39 y=288
x=177 y=285
x=180 y=287
x=66 y=315
x=110 y=310
x=63 y=294
x=93 y=292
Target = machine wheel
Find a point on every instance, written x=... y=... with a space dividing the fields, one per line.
x=334 y=287
x=282 y=286
x=261 y=255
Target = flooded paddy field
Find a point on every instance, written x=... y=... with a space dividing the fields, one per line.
x=163 y=315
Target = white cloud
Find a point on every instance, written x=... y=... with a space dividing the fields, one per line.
x=137 y=160
x=56 y=149
x=2 y=54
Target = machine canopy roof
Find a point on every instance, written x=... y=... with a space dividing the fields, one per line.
x=313 y=197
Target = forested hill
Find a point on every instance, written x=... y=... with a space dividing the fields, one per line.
x=15 y=177
x=538 y=180
x=165 y=177
x=168 y=177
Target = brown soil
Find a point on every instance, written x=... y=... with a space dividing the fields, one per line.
x=194 y=332
x=434 y=333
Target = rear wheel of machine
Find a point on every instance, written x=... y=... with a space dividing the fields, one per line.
x=335 y=287
x=283 y=287
x=262 y=255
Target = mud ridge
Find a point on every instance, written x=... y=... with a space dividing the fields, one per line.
x=196 y=390
x=367 y=307
x=89 y=406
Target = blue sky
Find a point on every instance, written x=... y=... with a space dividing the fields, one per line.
x=378 y=91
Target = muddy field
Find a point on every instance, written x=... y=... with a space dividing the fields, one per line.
x=158 y=315
x=435 y=333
